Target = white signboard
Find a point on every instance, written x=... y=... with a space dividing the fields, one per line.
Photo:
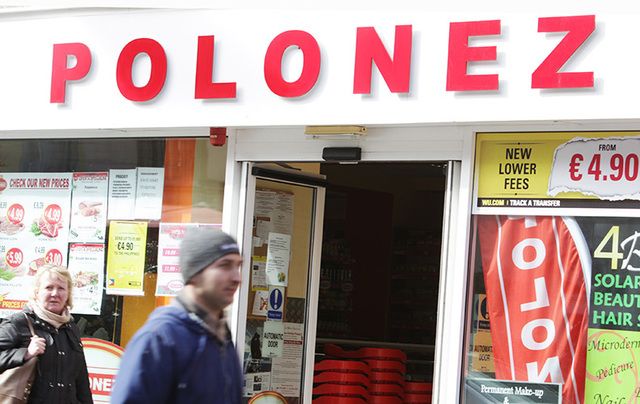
x=89 y=207
x=272 y=339
x=149 y=189
x=122 y=194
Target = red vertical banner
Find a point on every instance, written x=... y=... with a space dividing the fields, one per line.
x=537 y=275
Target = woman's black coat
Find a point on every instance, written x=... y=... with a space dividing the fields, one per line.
x=61 y=374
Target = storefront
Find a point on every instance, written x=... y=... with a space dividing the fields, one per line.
x=377 y=207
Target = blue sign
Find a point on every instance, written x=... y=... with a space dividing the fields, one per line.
x=276 y=302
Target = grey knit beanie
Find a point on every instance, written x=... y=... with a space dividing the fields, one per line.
x=201 y=247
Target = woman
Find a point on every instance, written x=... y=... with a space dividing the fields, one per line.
x=61 y=373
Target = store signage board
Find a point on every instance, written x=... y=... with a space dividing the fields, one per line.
x=255 y=83
x=553 y=171
x=89 y=207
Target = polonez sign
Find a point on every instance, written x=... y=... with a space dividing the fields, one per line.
x=394 y=66
x=171 y=68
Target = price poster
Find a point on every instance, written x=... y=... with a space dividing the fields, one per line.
x=34 y=230
x=126 y=258
x=558 y=170
x=169 y=281
x=86 y=264
x=89 y=207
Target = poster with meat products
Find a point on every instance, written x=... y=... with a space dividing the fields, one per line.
x=89 y=207
x=169 y=281
x=86 y=264
x=562 y=297
x=34 y=230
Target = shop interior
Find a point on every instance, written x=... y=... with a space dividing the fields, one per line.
x=381 y=261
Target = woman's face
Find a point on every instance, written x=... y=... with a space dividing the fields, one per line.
x=53 y=293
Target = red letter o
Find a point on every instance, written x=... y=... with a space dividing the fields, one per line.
x=310 y=68
x=158 y=69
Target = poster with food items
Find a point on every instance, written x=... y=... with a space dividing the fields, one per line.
x=169 y=281
x=89 y=207
x=34 y=230
x=86 y=264
x=126 y=258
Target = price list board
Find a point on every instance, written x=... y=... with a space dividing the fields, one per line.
x=34 y=223
x=557 y=170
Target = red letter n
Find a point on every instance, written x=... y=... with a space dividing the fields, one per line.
x=460 y=54
x=61 y=73
x=370 y=49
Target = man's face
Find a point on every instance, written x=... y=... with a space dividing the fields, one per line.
x=217 y=283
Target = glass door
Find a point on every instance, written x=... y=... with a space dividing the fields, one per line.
x=278 y=300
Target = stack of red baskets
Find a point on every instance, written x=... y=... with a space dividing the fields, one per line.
x=366 y=375
x=341 y=382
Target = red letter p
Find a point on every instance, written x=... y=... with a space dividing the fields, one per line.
x=61 y=73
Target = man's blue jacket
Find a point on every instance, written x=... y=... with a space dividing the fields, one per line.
x=174 y=359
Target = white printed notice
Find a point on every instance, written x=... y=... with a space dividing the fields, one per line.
x=122 y=194
x=149 y=189
x=278 y=252
x=607 y=168
x=86 y=264
x=272 y=339
x=286 y=371
x=89 y=207
x=34 y=230
x=169 y=281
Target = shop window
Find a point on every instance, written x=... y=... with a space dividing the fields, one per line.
x=78 y=201
x=554 y=309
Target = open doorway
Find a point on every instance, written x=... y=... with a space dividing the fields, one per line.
x=381 y=260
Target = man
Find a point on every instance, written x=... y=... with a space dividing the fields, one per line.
x=183 y=353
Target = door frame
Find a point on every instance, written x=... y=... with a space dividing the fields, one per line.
x=252 y=172
x=382 y=144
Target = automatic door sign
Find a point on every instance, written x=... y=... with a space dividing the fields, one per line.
x=276 y=303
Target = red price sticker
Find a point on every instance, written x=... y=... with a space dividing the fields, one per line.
x=15 y=213
x=53 y=256
x=614 y=167
x=53 y=213
x=14 y=257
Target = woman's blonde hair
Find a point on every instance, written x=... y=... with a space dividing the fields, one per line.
x=54 y=270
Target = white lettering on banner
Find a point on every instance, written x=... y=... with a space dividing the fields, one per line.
x=551 y=368
x=542 y=297
x=527 y=334
x=518 y=254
